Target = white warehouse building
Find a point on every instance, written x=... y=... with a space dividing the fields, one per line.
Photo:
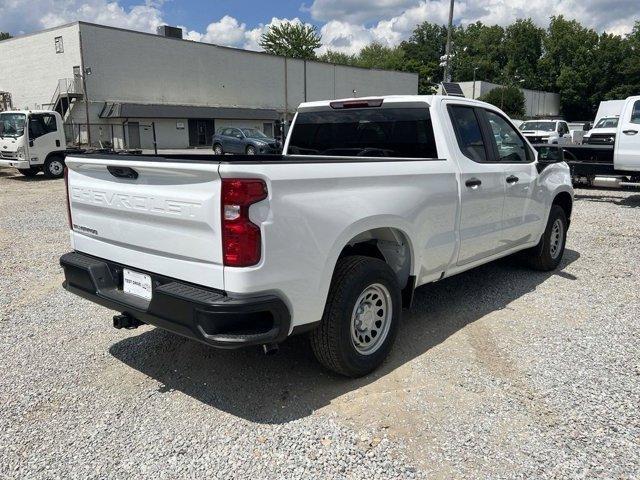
x=128 y=85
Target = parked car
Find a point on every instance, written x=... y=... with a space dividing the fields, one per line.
x=603 y=133
x=249 y=141
x=546 y=131
x=372 y=198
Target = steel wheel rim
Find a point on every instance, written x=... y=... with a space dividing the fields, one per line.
x=56 y=167
x=371 y=319
x=557 y=231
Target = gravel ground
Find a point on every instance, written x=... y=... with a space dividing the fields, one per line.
x=497 y=373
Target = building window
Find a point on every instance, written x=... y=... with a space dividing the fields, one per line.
x=59 y=45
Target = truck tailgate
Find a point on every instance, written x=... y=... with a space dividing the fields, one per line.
x=151 y=214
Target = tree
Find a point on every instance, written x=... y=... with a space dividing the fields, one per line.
x=508 y=99
x=422 y=54
x=522 y=51
x=4 y=36
x=293 y=40
x=376 y=55
x=339 y=58
x=478 y=46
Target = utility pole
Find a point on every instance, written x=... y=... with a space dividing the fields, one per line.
x=447 y=66
x=475 y=69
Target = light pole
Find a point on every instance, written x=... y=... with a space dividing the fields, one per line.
x=473 y=95
x=447 y=66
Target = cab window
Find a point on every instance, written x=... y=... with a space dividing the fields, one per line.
x=41 y=124
x=511 y=148
x=468 y=132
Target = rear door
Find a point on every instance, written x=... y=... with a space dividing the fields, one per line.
x=157 y=216
x=627 y=143
x=482 y=184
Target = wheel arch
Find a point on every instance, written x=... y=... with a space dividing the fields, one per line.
x=388 y=241
x=565 y=201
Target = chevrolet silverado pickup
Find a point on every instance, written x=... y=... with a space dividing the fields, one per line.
x=371 y=198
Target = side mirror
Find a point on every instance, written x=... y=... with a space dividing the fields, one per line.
x=31 y=143
x=586 y=127
x=549 y=154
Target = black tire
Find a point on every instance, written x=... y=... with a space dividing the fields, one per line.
x=543 y=256
x=54 y=167
x=332 y=341
x=217 y=149
x=29 y=172
x=251 y=150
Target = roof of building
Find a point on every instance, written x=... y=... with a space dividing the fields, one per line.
x=140 y=110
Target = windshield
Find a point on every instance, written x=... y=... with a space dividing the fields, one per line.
x=607 y=123
x=253 y=133
x=12 y=124
x=544 y=126
x=384 y=132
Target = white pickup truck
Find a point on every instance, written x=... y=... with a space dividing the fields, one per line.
x=33 y=141
x=372 y=198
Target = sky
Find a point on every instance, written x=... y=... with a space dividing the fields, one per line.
x=345 y=25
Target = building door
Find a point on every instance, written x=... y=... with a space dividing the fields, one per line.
x=133 y=135
x=201 y=132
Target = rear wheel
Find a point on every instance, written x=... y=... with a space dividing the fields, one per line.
x=29 y=172
x=54 y=167
x=251 y=150
x=217 y=149
x=547 y=255
x=361 y=317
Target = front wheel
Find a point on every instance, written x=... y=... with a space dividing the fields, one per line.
x=217 y=149
x=547 y=255
x=29 y=172
x=360 y=319
x=251 y=150
x=54 y=167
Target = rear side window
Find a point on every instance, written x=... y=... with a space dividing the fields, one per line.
x=635 y=113
x=468 y=132
x=379 y=132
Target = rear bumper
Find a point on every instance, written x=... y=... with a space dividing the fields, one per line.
x=200 y=313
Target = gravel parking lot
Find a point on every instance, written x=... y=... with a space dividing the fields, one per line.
x=497 y=373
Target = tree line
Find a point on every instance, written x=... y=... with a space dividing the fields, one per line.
x=582 y=65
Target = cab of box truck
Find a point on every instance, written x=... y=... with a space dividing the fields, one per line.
x=32 y=141
x=627 y=147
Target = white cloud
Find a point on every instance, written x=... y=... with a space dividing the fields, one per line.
x=17 y=16
x=357 y=11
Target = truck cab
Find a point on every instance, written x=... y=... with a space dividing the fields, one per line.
x=603 y=133
x=626 y=155
x=33 y=141
x=546 y=131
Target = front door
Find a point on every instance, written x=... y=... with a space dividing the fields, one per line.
x=522 y=217
x=482 y=185
x=43 y=136
x=627 y=149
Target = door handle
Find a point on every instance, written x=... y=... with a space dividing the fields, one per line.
x=512 y=179
x=473 y=182
x=123 y=172
x=630 y=132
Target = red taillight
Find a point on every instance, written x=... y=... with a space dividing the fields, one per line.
x=241 y=240
x=66 y=186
